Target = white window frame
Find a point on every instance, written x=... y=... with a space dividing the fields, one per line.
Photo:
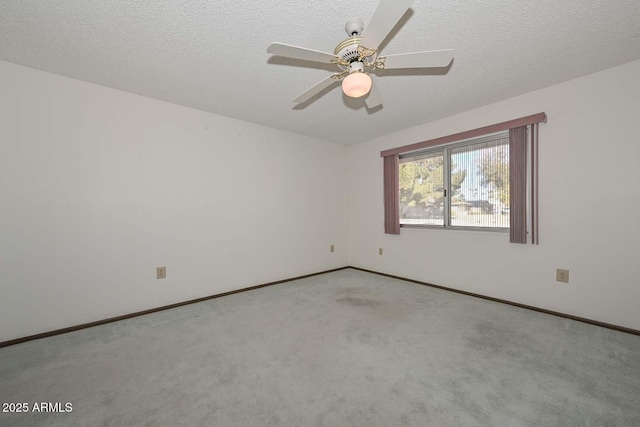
x=446 y=153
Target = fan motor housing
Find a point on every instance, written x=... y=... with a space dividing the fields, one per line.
x=347 y=50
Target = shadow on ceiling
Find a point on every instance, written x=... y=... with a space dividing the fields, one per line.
x=401 y=23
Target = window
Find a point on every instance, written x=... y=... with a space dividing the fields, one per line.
x=460 y=185
x=482 y=179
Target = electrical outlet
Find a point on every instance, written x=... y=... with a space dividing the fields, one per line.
x=332 y=248
x=161 y=273
x=380 y=251
x=562 y=275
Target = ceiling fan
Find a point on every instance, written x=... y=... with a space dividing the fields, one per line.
x=358 y=55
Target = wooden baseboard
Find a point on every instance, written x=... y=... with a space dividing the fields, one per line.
x=153 y=310
x=515 y=304
x=193 y=301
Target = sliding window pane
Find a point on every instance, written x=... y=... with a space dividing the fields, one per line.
x=422 y=189
x=480 y=184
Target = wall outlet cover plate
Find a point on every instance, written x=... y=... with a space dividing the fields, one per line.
x=562 y=275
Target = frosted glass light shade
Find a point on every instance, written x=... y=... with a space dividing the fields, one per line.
x=356 y=84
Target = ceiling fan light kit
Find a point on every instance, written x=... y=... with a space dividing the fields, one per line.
x=359 y=54
x=356 y=84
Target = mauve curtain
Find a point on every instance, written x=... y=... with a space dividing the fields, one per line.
x=391 y=194
x=535 y=226
x=518 y=184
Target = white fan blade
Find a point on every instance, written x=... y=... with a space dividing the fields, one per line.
x=373 y=99
x=314 y=90
x=299 y=53
x=382 y=22
x=433 y=58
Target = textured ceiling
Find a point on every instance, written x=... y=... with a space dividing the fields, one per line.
x=211 y=55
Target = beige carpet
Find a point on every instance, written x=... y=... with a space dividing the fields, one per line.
x=346 y=348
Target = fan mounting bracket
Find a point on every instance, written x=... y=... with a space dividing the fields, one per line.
x=354 y=27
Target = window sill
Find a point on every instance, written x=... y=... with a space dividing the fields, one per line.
x=458 y=228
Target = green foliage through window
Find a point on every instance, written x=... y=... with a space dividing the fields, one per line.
x=462 y=185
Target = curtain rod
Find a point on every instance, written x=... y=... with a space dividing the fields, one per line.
x=486 y=130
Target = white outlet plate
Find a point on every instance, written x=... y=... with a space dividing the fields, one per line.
x=562 y=275
x=332 y=248
x=380 y=251
x=161 y=273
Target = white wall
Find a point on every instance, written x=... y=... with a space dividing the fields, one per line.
x=99 y=187
x=589 y=206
